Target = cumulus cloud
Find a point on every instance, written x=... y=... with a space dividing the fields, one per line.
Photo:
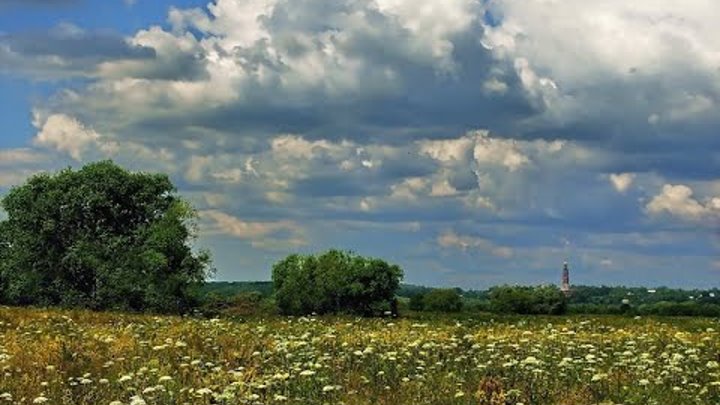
x=66 y=134
x=9 y=177
x=293 y=146
x=622 y=181
x=651 y=47
x=450 y=239
x=449 y=150
x=678 y=201
x=251 y=50
x=443 y=188
x=176 y=57
x=260 y=234
x=65 y=51
x=499 y=151
x=20 y=156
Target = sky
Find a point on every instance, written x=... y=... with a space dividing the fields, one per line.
x=472 y=142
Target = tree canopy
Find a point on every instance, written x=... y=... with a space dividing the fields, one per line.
x=542 y=300
x=100 y=237
x=442 y=300
x=333 y=282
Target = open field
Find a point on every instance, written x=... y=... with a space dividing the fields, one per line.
x=76 y=357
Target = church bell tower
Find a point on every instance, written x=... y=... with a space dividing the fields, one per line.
x=565 y=285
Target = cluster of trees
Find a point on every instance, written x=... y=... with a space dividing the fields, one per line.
x=662 y=308
x=542 y=300
x=228 y=289
x=102 y=238
x=437 y=300
x=335 y=282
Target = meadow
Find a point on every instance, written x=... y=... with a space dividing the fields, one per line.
x=81 y=357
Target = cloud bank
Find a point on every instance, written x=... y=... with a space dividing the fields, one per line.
x=501 y=130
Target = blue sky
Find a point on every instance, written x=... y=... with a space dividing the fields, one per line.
x=472 y=142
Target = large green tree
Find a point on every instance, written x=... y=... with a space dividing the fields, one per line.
x=100 y=237
x=335 y=281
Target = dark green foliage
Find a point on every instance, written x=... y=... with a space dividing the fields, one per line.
x=661 y=301
x=232 y=288
x=410 y=290
x=687 y=308
x=417 y=301
x=545 y=300
x=583 y=300
x=605 y=295
x=245 y=303
x=101 y=238
x=334 y=282
x=443 y=300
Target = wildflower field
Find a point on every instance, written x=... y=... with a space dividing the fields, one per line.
x=77 y=357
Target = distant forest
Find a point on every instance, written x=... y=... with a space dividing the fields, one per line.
x=583 y=299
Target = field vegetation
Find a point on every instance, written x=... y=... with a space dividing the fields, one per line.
x=82 y=358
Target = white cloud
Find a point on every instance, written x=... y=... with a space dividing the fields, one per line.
x=488 y=150
x=20 y=156
x=215 y=199
x=443 y=188
x=258 y=232
x=450 y=239
x=230 y=176
x=678 y=201
x=593 y=54
x=410 y=189
x=65 y=134
x=10 y=178
x=278 y=197
x=474 y=201
x=494 y=85
x=294 y=146
x=450 y=150
x=499 y=151
x=622 y=181
x=176 y=57
x=367 y=204
x=432 y=24
x=196 y=168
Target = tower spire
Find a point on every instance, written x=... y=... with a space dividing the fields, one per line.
x=565 y=286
